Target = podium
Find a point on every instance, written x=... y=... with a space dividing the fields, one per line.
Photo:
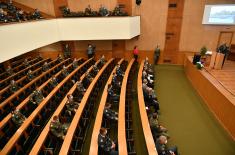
x=212 y=61
x=219 y=61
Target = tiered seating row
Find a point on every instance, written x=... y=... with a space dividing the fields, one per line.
x=149 y=141
x=38 y=62
x=73 y=143
x=99 y=116
x=5 y=93
x=125 y=139
x=7 y=105
x=22 y=140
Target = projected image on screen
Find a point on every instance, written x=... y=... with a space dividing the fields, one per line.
x=222 y=14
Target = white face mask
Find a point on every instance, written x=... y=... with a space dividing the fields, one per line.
x=166 y=142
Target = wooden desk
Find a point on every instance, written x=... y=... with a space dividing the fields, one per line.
x=99 y=116
x=11 y=143
x=149 y=141
x=122 y=147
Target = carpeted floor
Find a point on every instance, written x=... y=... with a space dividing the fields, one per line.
x=191 y=125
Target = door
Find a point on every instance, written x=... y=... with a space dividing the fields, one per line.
x=225 y=38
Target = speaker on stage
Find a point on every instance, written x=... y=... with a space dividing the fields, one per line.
x=196 y=58
x=138 y=2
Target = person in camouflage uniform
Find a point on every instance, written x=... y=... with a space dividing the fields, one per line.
x=53 y=82
x=87 y=80
x=26 y=63
x=67 y=51
x=71 y=105
x=57 y=128
x=103 y=11
x=17 y=117
x=75 y=63
x=13 y=86
x=9 y=70
x=30 y=75
x=64 y=71
x=88 y=11
x=60 y=58
x=36 y=97
x=45 y=67
x=102 y=60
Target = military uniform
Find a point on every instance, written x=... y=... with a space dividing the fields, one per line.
x=60 y=58
x=65 y=72
x=53 y=82
x=57 y=129
x=13 y=87
x=105 y=143
x=45 y=67
x=75 y=64
x=95 y=69
x=103 y=11
x=102 y=60
x=36 y=97
x=71 y=106
x=90 y=51
x=67 y=51
x=30 y=75
x=10 y=71
x=26 y=63
x=88 y=11
x=110 y=114
x=18 y=118
x=156 y=55
x=87 y=80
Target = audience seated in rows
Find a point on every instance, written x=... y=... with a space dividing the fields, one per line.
x=159 y=132
x=71 y=105
x=109 y=113
x=57 y=128
x=10 y=13
x=17 y=117
x=88 y=12
x=36 y=97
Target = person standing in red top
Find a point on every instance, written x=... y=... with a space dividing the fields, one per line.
x=135 y=53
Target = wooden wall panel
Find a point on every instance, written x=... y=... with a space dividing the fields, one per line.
x=80 y=5
x=220 y=102
x=173 y=30
x=57 y=5
x=127 y=4
x=194 y=35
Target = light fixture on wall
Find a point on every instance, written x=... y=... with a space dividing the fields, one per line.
x=138 y=2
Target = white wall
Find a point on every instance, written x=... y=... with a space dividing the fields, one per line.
x=20 y=38
x=17 y=39
x=111 y=28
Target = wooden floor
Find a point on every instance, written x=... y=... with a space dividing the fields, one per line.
x=226 y=76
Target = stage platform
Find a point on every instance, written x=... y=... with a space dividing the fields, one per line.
x=217 y=88
x=226 y=76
